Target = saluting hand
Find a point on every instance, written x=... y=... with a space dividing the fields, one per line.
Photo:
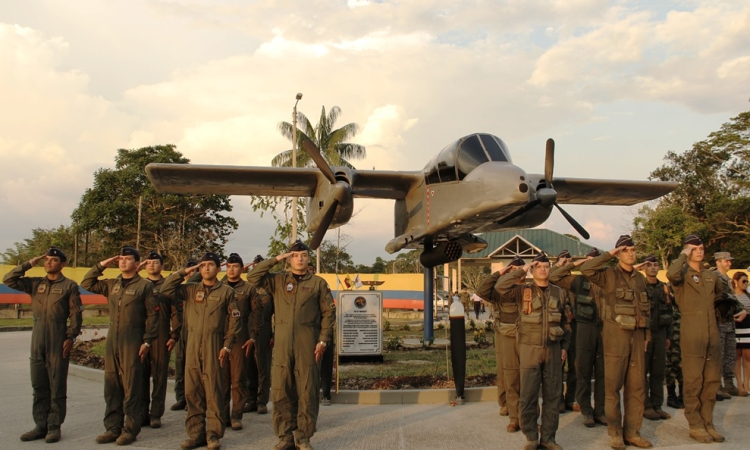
x=191 y=270
x=141 y=265
x=283 y=256
x=688 y=249
x=35 y=261
x=248 y=346
x=143 y=352
x=580 y=262
x=249 y=266
x=617 y=250
x=67 y=347
x=319 y=350
x=109 y=262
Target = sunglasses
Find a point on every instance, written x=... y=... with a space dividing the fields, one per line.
x=743 y=281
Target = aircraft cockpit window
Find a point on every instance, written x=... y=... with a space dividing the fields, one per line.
x=470 y=156
x=431 y=173
x=446 y=164
x=495 y=148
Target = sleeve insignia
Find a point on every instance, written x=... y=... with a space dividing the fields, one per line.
x=235 y=313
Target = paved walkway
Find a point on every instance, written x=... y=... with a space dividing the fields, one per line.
x=474 y=426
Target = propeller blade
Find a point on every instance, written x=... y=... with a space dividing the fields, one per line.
x=316 y=156
x=582 y=231
x=325 y=222
x=549 y=162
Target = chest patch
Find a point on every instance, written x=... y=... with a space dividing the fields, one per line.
x=235 y=314
x=41 y=289
x=306 y=289
x=213 y=297
x=200 y=296
x=130 y=292
x=116 y=289
x=696 y=279
x=290 y=287
x=57 y=291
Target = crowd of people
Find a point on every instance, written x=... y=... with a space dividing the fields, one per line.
x=618 y=325
x=221 y=331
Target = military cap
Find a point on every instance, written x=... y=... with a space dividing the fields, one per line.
x=692 y=239
x=299 y=246
x=130 y=251
x=594 y=253
x=564 y=254
x=54 y=251
x=153 y=254
x=191 y=263
x=234 y=258
x=625 y=240
x=211 y=256
x=650 y=258
x=723 y=255
x=542 y=258
x=517 y=261
x=257 y=259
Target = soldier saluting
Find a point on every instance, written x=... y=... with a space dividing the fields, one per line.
x=132 y=327
x=54 y=300
x=305 y=312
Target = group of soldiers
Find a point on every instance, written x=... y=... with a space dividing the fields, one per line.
x=221 y=331
x=615 y=325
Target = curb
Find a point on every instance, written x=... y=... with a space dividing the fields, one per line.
x=390 y=397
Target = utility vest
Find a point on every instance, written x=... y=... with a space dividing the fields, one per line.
x=540 y=320
x=506 y=318
x=631 y=307
x=661 y=307
x=585 y=303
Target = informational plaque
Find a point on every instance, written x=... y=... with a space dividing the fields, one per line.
x=360 y=315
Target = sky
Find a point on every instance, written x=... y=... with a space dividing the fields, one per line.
x=617 y=84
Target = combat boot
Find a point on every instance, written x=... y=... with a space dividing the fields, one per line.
x=262 y=409
x=284 y=444
x=601 y=420
x=503 y=410
x=326 y=401
x=650 y=414
x=33 y=435
x=126 y=438
x=551 y=445
x=304 y=446
x=672 y=400
x=190 y=443
x=680 y=399
x=236 y=424
x=663 y=415
x=701 y=435
x=180 y=405
x=531 y=445
x=250 y=407
x=53 y=435
x=213 y=443
x=108 y=436
x=637 y=441
x=617 y=443
x=588 y=421
x=512 y=427
x=730 y=388
x=715 y=434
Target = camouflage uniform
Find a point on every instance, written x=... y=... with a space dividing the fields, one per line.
x=673 y=374
x=724 y=317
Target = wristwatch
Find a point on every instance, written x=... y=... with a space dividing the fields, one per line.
x=229 y=350
x=147 y=344
x=323 y=343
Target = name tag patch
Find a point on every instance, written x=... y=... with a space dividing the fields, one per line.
x=306 y=289
x=213 y=297
x=130 y=292
x=57 y=291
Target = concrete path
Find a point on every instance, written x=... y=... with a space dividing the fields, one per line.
x=474 y=426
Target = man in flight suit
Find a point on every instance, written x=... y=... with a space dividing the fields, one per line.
x=589 y=346
x=304 y=312
x=543 y=348
x=625 y=333
x=506 y=345
x=728 y=311
x=696 y=289
x=258 y=361
x=661 y=331
x=54 y=300
x=568 y=391
x=132 y=328
x=167 y=334
x=208 y=306
x=179 y=357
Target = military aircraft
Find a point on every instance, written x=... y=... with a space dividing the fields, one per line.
x=470 y=187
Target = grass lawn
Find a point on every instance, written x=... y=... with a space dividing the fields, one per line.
x=29 y=322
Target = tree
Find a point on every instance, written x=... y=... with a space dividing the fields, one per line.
x=472 y=276
x=178 y=226
x=41 y=240
x=335 y=259
x=407 y=262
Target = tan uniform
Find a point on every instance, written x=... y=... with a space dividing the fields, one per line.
x=304 y=313
x=542 y=337
x=53 y=304
x=206 y=311
x=695 y=293
x=625 y=312
x=132 y=322
x=235 y=375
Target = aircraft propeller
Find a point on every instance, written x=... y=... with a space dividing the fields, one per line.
x=547 y=197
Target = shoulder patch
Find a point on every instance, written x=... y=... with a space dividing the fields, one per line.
x=236 y=313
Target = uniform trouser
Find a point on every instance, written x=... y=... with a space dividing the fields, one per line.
x=674 y=362
x=179 y=368
x=702 y=379
x=326 y=370
x=501 y=393
x=123 y=380
x=511 y=375
x=49 y=380
x=477 y=309
x=259 y=373
x=295 y=382
x=568 y=395
x=155 y=367
x=235 y=383
x=624 y=351
x=589 y=360
x=655 y=368
x=540 y=366
x=204 y=393
x=728 y=349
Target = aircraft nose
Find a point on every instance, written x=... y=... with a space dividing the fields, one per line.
x=505 y=179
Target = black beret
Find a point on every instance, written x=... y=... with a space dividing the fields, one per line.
x=564 y=254
x=542 y=257
x=130 y=251
x=594 y=253
x=625 y=240
x=154 y=255
x=54 y=251
x=234 y=258
x=692 y=239
x=517 y=261
x=299 y=246
x=651 y=258
x=191 y=263
x=211 y=256
x=257 y=259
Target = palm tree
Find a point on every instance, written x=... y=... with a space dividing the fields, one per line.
x=332 y=143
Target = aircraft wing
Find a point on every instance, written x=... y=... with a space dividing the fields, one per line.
x=584 y=191
x=384 y=183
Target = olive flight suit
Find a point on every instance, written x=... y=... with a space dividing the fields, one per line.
x=261 y=331
x=304 y=313
x=179 y=349
x=626 y=310
x=235 y=375
x=156 y=365
x=656 y=352
x=568 y=392
x=695 y=294
x=589 y=356
x=53 y=303
x=542 y=338
x=132 y=322
x=206 y=311
x=506 y=347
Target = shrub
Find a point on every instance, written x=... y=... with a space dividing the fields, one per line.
x=479 y=337
x=387 y=326
x=393 y=343
x=406 y=327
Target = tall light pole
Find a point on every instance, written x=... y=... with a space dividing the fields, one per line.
x=294 y=164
